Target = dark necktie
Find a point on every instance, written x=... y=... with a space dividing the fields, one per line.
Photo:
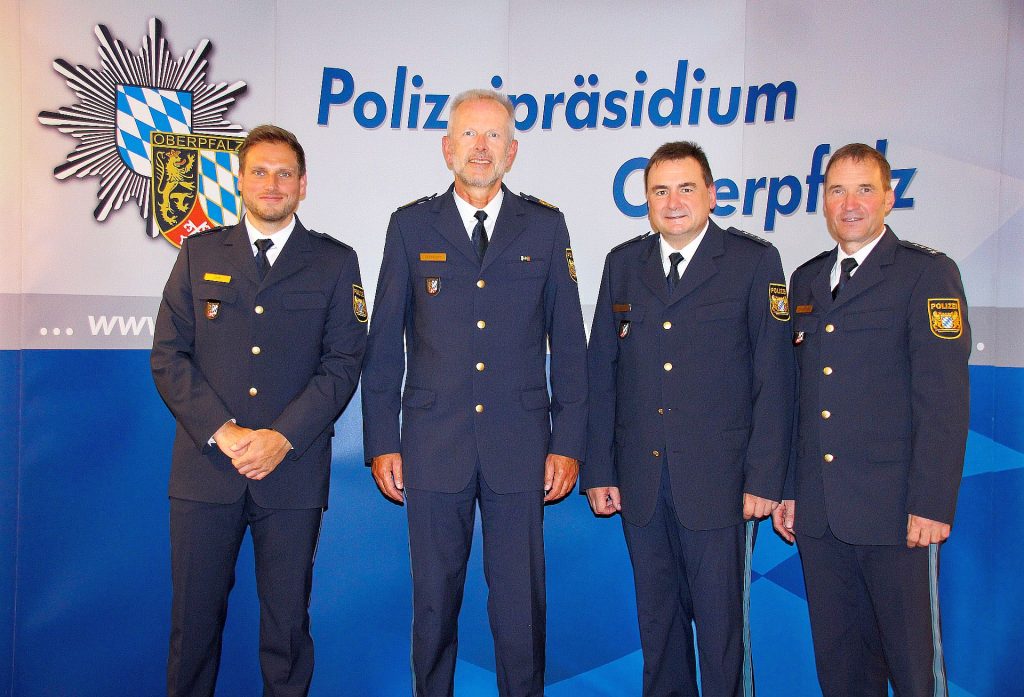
x=846 y=266
x=262 y=263
x=675 y=258
x=480 y=234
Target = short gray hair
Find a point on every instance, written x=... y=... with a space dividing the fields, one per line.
x=478 y=94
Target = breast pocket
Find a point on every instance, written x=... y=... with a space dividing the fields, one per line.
x=719 y=311
x=627 y=321
x=874 y=319
x=304 y=300
x=525 y=267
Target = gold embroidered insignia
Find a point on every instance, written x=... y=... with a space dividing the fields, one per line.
x=359 y=303
x=944 y=317
x=778 y=301
x=571 y=263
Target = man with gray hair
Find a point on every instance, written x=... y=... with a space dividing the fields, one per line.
x=477 y=282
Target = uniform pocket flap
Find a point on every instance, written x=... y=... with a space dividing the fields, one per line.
x=876 y=319
x=304 y=300
x=416 y=398
x=727 y=310
x=535 y=398
x=205 y=290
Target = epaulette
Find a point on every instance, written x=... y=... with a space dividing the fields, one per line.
x=534 y=199
x=920 y=248
x=417 y=201
x=204 y=233
x=815 y=258
x=629 y=242
x=742 y=233
x=327 y=237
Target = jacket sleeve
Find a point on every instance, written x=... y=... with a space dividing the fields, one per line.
x=602 y=358
x=343 y=343
x=385 y=351
x=564 y=324
x=940 y=394
x=183 y=387
x=774 y=383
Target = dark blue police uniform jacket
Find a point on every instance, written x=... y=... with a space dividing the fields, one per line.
x=476 y=336
x=705 y=376
x=883 y=412
x=282 y=354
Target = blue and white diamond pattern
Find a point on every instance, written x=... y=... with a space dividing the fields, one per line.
x=141 y=110
x=218 y=186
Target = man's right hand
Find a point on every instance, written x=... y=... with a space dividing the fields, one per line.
x=387 y=471
x=227 y=436
x=784 y=518
x=604 y=500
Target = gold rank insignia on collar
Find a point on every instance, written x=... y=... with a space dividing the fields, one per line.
x=359 y=303
x=944 y=317
x=778 y=301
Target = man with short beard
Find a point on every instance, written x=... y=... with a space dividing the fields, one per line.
x=474 y=285
x=256 y=350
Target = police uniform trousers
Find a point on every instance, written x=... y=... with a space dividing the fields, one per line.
x=683 y=578
x=874 y=617
x=205 y=539
x=440 y=537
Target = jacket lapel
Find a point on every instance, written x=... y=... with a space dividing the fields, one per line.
x=296 y=255
x=511 y=221
x=870 y=272
x=238 y=250
x=704 y=265
x=450 y=226
x=821 y=285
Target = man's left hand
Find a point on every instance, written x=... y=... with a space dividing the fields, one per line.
x=755 y=507
x=560 y=474
x=922 y=532
x=260 y=452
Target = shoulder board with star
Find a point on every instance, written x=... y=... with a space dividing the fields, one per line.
x=920 y=248
x=327 y=237
x=416 y=202
x=815 y=258
x=629 y=242
x=204 y=233
x=538 y=201
x=743 y=233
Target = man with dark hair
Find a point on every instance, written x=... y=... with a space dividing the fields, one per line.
x=473 y=287
x=257 y=349
x=882 y=342
x=691 y=397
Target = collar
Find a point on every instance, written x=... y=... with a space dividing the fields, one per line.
x=466 y=211
x=280 y=237
x=687 y=251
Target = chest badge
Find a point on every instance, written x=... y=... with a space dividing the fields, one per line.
x=624 y=329
x=433 y=285
x=798 y=338
x=212 y=309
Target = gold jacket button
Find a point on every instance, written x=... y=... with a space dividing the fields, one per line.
x=258 y=309
x=479 y=408
x=668 y=366
x=666 y=325
x=830 y=328
x=256 y=350
x=253 y=392
x=481 y=324
x=829 y=457
x=827 y=370
x=480 y=366
x=655 y=453
x=481 y=283
x=826 y=414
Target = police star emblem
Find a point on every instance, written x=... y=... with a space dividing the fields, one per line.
x=778 y=301
x=944 y=317
x=131 y=120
